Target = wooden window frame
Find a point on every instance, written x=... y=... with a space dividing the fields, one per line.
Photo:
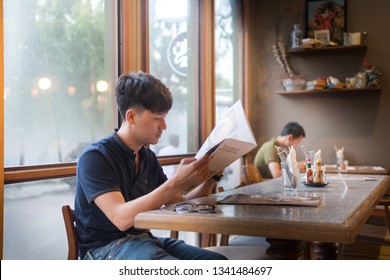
x=134 y=13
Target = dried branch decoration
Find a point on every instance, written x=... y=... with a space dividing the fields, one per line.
x=279 y=51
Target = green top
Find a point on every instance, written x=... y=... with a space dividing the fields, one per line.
x=265 y=155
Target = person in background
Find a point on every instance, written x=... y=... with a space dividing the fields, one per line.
x=171 y=149
x=267 y=160
x=119 y=177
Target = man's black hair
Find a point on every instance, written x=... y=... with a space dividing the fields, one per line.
x=142 y=91
x=293 y=128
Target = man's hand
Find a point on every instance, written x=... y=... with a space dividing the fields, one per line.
x=191 y=172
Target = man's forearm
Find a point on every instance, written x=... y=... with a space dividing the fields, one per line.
x=202 y=190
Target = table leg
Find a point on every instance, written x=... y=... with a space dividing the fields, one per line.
x=325 y=250
x=283 y=249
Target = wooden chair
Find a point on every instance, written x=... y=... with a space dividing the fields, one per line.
x=373 y=240
x=69 y=220
x=377 y=229
x=236 y=253
x=385 y=203
x=250 y=174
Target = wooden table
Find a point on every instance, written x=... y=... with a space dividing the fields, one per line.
x=358 y=169
x=342 y=212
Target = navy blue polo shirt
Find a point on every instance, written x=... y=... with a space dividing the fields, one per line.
x=106 y=166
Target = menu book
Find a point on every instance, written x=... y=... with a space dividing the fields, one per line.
x=313 y=201
x=231 y=139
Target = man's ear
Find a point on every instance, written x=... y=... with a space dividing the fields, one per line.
x=130 y=116
x=290 y=137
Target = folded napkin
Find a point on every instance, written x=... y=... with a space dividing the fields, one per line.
x=339 y=156
x=293 y=169
x=317 y=156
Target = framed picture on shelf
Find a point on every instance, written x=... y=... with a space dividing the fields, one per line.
x=327 y=15
x=322 y=35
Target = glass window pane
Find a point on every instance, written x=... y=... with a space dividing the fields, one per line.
x=33 y=223
x=58 y=78
x=226 y=47
x=173 y=56
x=169 y=170
x=227 y=74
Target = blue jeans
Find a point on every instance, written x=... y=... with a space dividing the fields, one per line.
x=147 y=247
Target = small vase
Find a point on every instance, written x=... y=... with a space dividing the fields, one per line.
x=294 y=83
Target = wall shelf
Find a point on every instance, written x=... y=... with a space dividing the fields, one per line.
x=334 y=49
x=338 y=60
x=332 y=92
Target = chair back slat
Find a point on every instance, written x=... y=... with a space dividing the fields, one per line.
x=69 y=220
x=251 y=175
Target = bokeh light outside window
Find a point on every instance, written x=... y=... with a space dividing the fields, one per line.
x=58 y=77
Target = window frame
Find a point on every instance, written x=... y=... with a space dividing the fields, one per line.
x=134 y=13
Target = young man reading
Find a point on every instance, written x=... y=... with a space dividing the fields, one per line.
x=119 y=177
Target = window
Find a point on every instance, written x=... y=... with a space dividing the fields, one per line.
x=227 y=55
x=33 y=223
x=59 y=69
x=227 y=51
x=174 y=56
x=58 y=65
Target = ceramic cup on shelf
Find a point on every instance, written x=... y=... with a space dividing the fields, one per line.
x=295 y=83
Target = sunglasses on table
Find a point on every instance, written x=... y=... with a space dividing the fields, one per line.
x=191 y=207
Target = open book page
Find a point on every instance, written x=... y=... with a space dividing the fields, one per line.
x=231 y=139
x=254 y=199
